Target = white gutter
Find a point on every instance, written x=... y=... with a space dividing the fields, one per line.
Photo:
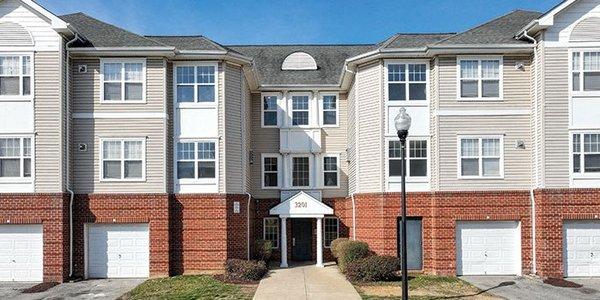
x=353 y=217
x=248 y=226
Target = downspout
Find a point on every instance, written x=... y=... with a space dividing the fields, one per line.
x=68 y=188
x=248 y=226
x=353 y=217
x=531 y=192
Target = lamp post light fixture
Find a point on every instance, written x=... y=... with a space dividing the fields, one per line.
x=402 y=122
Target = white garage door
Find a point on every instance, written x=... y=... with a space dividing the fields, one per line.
x=118 y=251
x=581 y=248
x=21 y=253
x=488 y=248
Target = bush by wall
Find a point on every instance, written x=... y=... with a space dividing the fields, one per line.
x=351 y=251
x=373 y=268
x=263 y=250
x=240 y=269
x=335 y=245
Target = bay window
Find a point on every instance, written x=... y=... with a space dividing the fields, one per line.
x=480 y=78
x=407 y=81
x=585 y=71
x=586 y=153
x=15 y=75
x=480 y=157
x=123 y=80
x=196 y=160
x=15 y=157
x=196 y=83
x=300 y=110
x=122 y=159
x=416 y=159
x=300 y=171
x=271 y=231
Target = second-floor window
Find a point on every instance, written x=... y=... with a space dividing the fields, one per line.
x=123 y=80
x=586 y=153
x=480 y=78
x=196 y=84
x=329 y=109
x=480 y=157
x=300 y=171
x=269 y=110
x=585 y=70
x=407 y=82
x=15 y=75
x=416 y=158
x=196 y=160
x=300 y=110
x=330 y=171
x=15 y=157
x=122 y=159
x=270 y=171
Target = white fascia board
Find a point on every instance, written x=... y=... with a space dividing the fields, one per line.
x=548 y=18
x=57 y=23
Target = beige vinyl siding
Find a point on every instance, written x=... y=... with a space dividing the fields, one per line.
x=433 y=125
x=221 y=120
x=247 y=136
x=517 y=162
x=351 y=139
x=556 y=117
x=263 y=140
x=537 y=116
x=335 y=142
x=169 y=130
x=370 y=122
x=586 y=31
x=233 y=130
x=48 y=124
x=87 y=167
x=86 y=87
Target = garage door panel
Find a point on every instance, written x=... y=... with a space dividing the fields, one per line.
x=581 y=241
x=21 y=253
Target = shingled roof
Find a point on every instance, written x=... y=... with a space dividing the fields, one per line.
x=198 y=42
x=414 y=40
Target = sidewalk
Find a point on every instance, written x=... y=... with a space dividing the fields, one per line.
x=306 y=282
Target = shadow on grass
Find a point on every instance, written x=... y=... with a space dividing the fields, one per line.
x=502 y=284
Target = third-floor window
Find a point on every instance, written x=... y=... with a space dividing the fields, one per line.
x=480 y=78
x=407 y=81
x=15 y=75
x=123 y=80
x=585 y=68
x=196 y=83
x=300 y=110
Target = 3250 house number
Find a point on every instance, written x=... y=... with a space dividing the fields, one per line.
x=300 y=204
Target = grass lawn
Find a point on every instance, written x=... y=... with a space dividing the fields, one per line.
x=190 y=287
x=422 y=287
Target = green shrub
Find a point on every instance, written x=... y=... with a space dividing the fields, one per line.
x=335 y=244
x=373 y=268
x=351 y=251
x=245 y=269
x=263 y=250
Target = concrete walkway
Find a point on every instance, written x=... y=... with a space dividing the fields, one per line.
x=306 y=282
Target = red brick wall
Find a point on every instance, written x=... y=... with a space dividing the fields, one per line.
x=50 y=210
x=553 y=207
x=125 y=208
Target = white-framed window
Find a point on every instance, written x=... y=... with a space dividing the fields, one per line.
x=331 y=170
x=480 y=157
x=123 y=80
x=479 y=78
x=271 y=231
x=122 y=159
x=16 y=76
x=196 y=161
x=329 y=103
x=301 y=171
x=16 y=157
x=271 y=167
x=196 y=83
x=300 y=109
x=585 y=72
x=270 y=117
x=331 y=230
x=417 y=152
x=585 y=150
x=407 y=81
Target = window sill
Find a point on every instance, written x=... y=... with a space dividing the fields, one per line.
x=480 y=178
x=122 y=101
x=137 y=180
x=585 y=93
x=195 y=182
x=585 y=176
x=271 y=188
x=407 y=103
x=16 y=98
x=330 y=126
x=480 y=99
x=398 y=179
x=330 y=187
x=16 y=180
x=196 y=105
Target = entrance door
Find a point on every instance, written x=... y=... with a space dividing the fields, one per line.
x=301 y=239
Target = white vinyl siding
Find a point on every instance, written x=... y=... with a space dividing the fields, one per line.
x=123 y=159
x=480 y=157
x=123 y=80
x=16 y=158
x=271 y=231
x=16 y=80
x=479 y=78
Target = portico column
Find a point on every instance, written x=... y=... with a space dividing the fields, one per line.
x=319 y=242
x=284 y=263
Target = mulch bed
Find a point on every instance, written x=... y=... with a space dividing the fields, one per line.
x=226 y=279
x=38 y=288
x=562 y=283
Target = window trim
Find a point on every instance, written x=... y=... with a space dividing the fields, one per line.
x=291 y=109
x=338 y=230
x=322 y=110
x=396 y=103
x=311 y=176
x=123 y=61
x=262 y=109
x=480 y=79
x=415 y=179
x=22 y=97
x=122 y=159
x=196 y=104
x=262 y=170
x=278 y=230
x=480 y=157
x=582 y=174
x=580 y=92
x=21 y=179
x=322 y=171
x=196 y=180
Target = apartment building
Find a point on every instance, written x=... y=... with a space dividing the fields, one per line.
x=123 y=155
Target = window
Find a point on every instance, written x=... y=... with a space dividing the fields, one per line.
x=300 y=171
x=329 y=110
x=270 y=171
x=271 y=231
x=407 y=82
x=300 y=109
x=15 y=75
x=586 y=153
x=269 y=107
x=481 y=157
x=331 y=230
x=586 y=71
x=15 y=157
x=122 y=159
x=123 y=80
x=196 y=84
x=480 y=78
x=196 y=160
x=330 y=171
x=416 y=158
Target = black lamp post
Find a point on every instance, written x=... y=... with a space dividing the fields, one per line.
x=402 y=122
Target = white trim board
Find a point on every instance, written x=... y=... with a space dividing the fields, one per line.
x=490 y=112
x=121 y=115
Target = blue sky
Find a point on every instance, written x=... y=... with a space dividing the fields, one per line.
x=294 y=22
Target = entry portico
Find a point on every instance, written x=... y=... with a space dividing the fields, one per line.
x=301 y=205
